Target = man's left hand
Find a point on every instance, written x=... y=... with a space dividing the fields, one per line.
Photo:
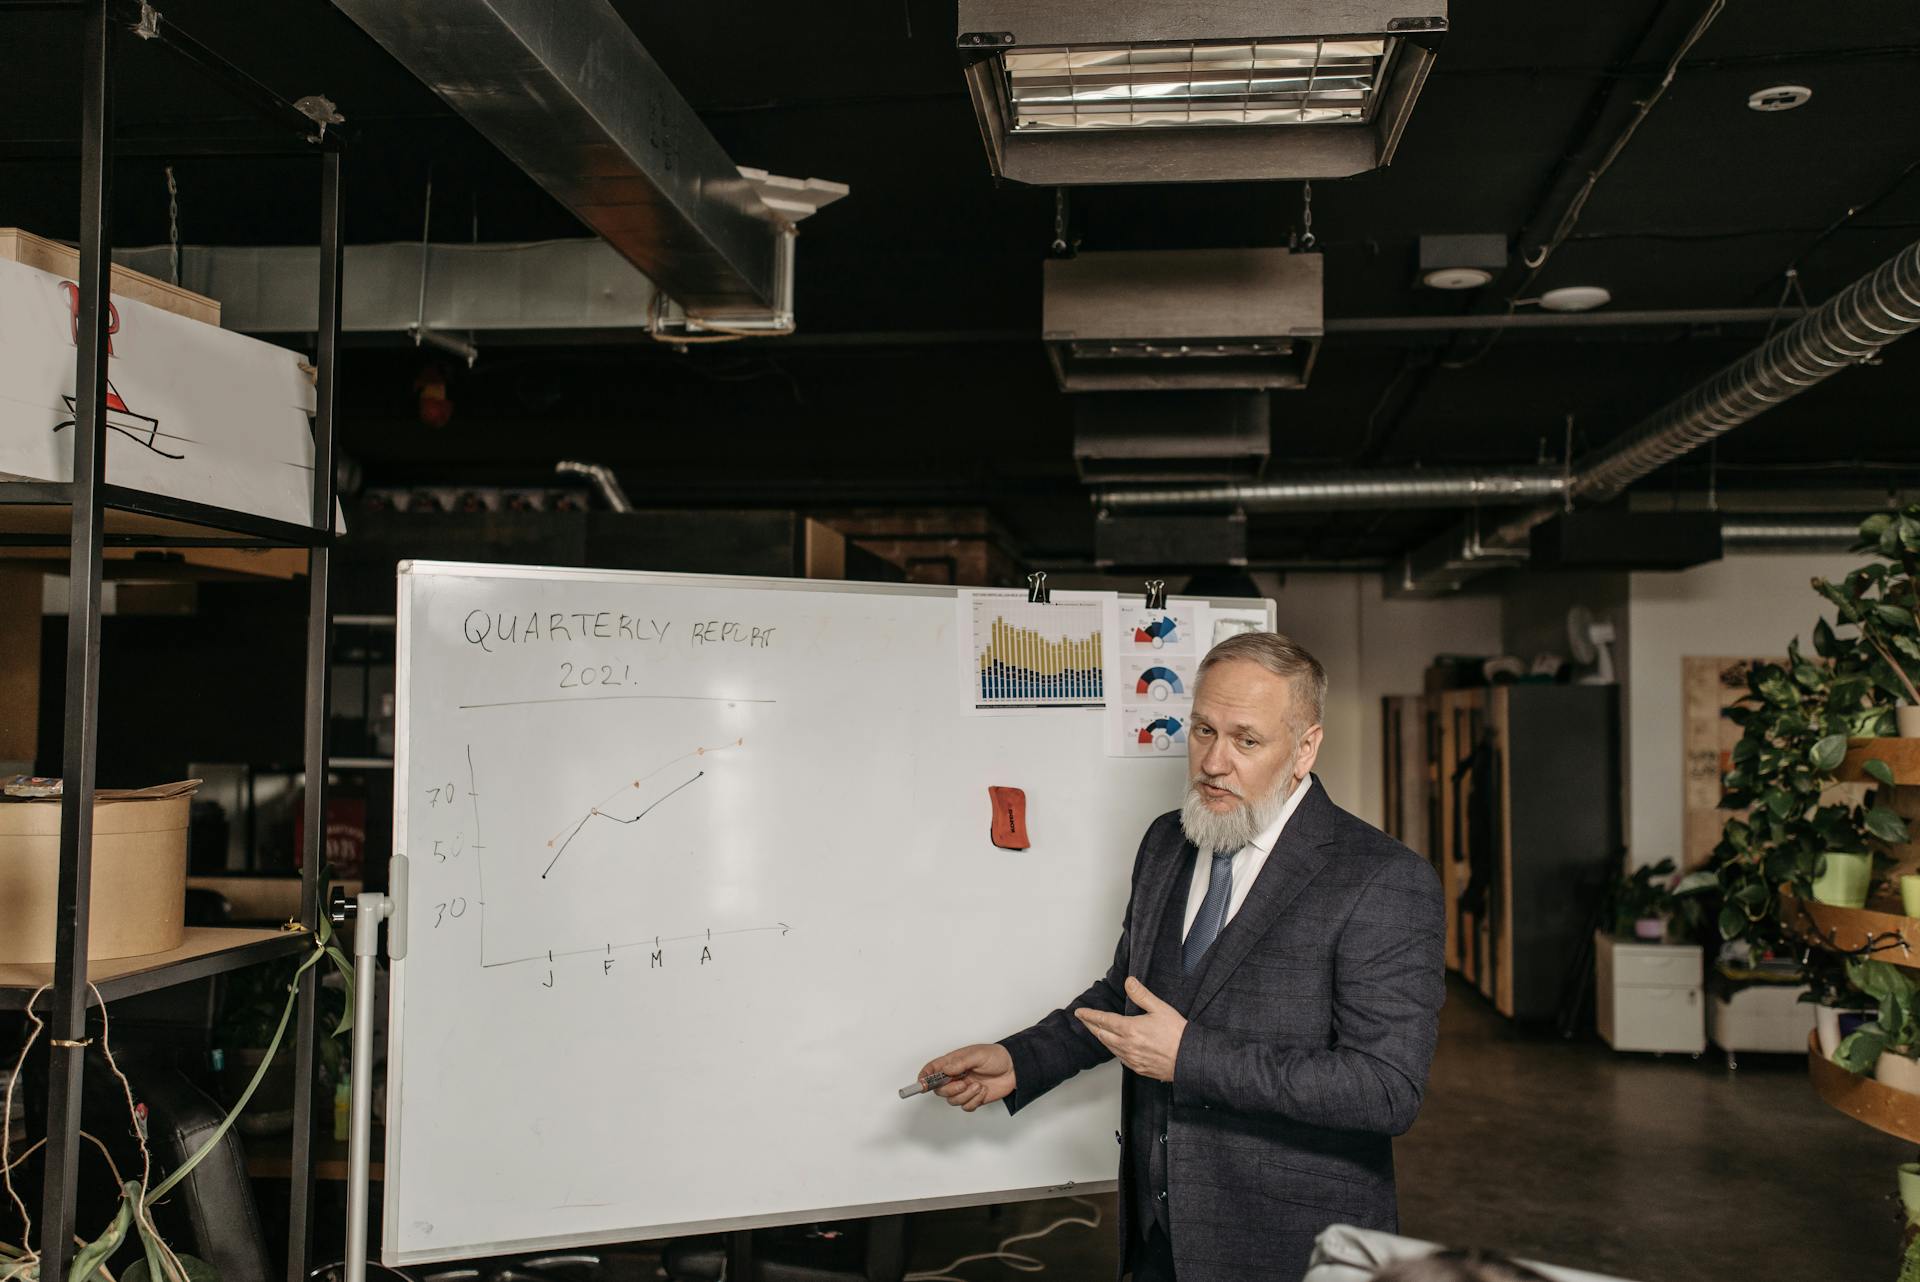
x=1147 y=1043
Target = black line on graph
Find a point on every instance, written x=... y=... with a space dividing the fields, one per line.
x=600 y=814
x=601 y=698
x=654 y=942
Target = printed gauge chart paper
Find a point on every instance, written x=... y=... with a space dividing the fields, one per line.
x=1155 y=661
x=1024 y=655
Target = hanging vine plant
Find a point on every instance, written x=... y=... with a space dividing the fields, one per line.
x=1795 y=722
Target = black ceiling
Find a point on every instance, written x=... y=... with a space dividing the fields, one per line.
x=919 y=378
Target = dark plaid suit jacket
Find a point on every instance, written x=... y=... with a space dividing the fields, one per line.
x=1306 y=1050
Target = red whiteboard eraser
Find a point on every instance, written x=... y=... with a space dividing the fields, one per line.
x=1009 y=818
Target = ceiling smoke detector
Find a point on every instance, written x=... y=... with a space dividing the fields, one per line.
x=1461 y=261
x=1085 y=91
x=1575 y=298
x=1779 y=98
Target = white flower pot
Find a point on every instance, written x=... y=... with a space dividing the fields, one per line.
x=1897 y=1071
x=1826 y=1025
x=1906 y=719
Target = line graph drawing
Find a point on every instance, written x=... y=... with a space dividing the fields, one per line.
x=597 y=813
x=606 y=809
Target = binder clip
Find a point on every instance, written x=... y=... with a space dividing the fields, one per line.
x=1156 y=594
x=1037 y=591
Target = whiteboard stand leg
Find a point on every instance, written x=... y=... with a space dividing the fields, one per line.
x=740 y=1256
x=368 y=913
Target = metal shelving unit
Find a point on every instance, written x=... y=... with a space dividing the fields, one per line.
x=96 y=515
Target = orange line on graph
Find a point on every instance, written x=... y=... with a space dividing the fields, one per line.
x=619 y=792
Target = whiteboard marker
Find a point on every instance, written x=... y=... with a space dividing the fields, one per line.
x=925 y=1084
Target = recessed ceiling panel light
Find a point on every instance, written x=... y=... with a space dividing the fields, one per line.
x=1457 y=277
x=1087 y=91
x=1575 y=298
x=1779 y=98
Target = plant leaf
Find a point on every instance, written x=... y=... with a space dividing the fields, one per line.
x=1825 y=644
x=1879 y=770
x=1829 y=753
x=1861 y=1048
x=1695 y=882
x=1733 y=922
x=1887 y=826
x=90 y=1257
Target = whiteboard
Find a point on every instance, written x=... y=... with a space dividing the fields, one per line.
x=696 y=880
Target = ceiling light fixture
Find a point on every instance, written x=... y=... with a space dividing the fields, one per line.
x=1779 y=98
x=1084 y=91
x=1456 y=277
x=1575 y=298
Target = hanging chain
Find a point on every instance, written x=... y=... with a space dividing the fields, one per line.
x=173 y=225
x=1060 y=222
x=1306 y=216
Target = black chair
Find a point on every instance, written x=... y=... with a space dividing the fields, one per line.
x=210 y=1214
x=872 y=1250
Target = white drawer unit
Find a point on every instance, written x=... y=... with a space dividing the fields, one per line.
x=1649 y=996
x=1768 y=1018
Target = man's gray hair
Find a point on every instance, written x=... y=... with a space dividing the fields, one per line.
x=1284 y=657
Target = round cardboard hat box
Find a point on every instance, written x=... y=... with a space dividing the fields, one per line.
x=139 y=879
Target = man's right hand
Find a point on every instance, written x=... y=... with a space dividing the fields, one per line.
x=977 y=1075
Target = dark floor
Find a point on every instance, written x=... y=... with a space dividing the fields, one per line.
x=1656 y=1170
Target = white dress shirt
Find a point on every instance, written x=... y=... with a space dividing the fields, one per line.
x=1246 y=865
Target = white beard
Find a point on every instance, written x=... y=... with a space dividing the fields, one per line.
x=1217 y=833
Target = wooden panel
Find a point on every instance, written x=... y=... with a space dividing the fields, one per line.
x=1708 y=686
x=1903 y=755
x=1496 y=978
x=1461 y=714
x=51 y=256
x=19 y=663
x=176 y=563
x=1863 y=1098
x=1896 y=938
x=200 y=942
x=824 y=550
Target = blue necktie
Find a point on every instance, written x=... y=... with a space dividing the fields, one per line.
x=1213 y=912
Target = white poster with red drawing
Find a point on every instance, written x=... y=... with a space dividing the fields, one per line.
x=193 y=411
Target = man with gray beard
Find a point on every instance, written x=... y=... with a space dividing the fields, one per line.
x=1274 y=1000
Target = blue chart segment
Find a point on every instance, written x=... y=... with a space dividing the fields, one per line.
x=1036 y=656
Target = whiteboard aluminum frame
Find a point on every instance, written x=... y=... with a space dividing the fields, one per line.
x=393 y=1176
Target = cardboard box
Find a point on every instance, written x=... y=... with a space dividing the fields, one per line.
x=193 y=411
x=139 y=873
x=63 y=260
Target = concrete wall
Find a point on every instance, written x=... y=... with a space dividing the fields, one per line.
x=1743 y=605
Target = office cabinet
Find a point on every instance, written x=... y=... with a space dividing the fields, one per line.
x=1648 y=996
x=1530 y=828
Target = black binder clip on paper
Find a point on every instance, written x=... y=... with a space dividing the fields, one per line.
x=1038 y=593
x=1156 y=594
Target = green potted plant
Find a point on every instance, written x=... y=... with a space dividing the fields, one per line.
x=1887 y=1044
x=1838 y=1007
x=1641 y=903
x=1880 y=601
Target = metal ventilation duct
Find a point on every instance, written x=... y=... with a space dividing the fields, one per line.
x=1118 y=91
x=1170 y=436
x=1182 y=318
x=1437 y=487
x=568 y=93
x=1848 y=329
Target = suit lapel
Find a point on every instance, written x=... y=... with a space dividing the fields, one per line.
x=1157 y=884
x=1295 y=860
